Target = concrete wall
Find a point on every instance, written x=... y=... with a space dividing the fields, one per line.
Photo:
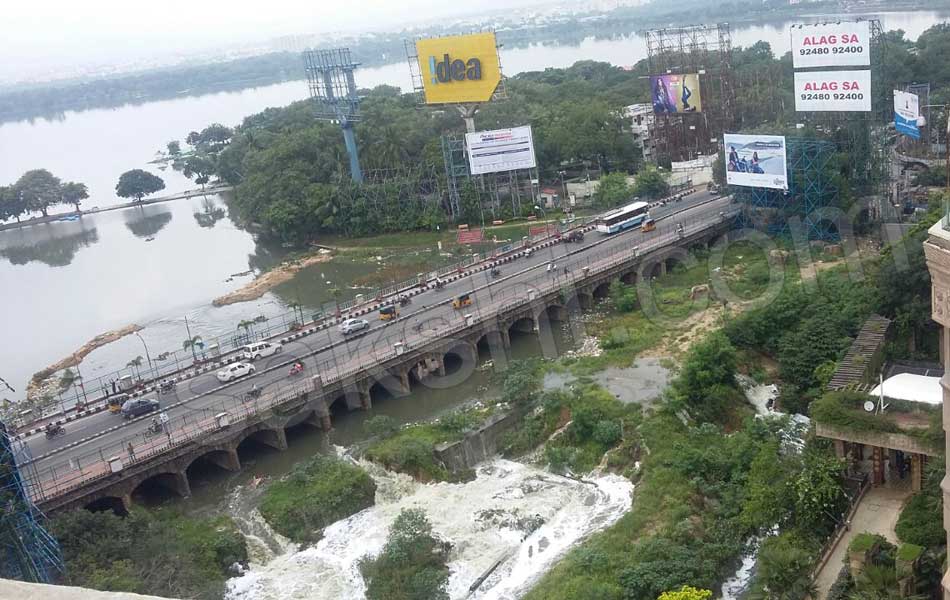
x=478 y=445
x=35 y=591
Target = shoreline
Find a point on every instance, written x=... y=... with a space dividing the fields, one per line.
x=40 y=378
x=211 y=190
x=265 y=282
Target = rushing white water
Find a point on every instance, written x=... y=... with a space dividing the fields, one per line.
x=734 y=587
x=495 y=516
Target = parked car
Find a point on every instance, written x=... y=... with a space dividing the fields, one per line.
x=353 y=325
x=139 y=406
x=260 y=350
x=234 y=371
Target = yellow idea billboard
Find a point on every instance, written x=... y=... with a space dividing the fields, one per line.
x=459 y=69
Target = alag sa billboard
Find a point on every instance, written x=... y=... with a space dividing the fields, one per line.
x=845 y=44
x=833 y=91
x=459 y=69
x=500 y=150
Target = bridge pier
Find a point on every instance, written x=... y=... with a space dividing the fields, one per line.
x=275 y=438
x=180 y=484
x=226 y=459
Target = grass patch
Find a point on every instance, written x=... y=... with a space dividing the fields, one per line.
x=411 y=450
x=862 y=542
x=314 y=495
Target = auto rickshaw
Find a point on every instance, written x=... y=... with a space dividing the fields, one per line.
x=116 y=401
x=387 y=313
x=648 y=225
x=463 y=300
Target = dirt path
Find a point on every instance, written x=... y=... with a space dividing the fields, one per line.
x=276 y=276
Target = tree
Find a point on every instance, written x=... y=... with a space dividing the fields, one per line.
x=39 y=189
x=74 y=193
x=11 y=203
x=412 y=565
x=650 y=183
x=612 y=190
x=136 y=364
x=193 y=344
x=686 y=593
x=783 y=571
x=174 y=148
x=199 y=167
x=137 y=184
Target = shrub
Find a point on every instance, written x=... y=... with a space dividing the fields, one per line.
x=921 y=521
x=381 y=426
x=607 y=432
x=314 y=495
x=412 y=565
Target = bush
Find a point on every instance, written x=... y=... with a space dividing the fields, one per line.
x=381 y=426
x=921 y=521
x=607 y=432
x=412 y=565
x=314 y=495
x=149 y=552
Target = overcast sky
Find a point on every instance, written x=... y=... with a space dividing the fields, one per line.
x=43 y=35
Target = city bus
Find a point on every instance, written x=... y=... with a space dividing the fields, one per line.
x=622 y=218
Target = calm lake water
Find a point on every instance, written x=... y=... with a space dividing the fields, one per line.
x=64 y=283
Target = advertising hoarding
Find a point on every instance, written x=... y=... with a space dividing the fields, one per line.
x=676 y=94
x=500 y=150
x=460 y=68
x=837 y=91
x=831 y=45
x=756 y=161
x=907 y=113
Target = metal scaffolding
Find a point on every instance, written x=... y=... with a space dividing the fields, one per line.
x=27 y=551
x=707 y=51
x=333 y=90
x=811 y=188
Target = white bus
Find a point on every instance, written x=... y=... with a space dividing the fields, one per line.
x=622 y=218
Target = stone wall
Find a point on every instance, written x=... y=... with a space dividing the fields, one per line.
x=479 y=445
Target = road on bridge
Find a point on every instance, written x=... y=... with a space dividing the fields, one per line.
x=101 y=435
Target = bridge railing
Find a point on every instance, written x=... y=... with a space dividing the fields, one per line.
x=360 y=354
x=81 y=469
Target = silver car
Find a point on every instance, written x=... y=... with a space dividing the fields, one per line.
x=353 y=325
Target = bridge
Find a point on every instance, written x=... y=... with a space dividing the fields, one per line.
x=102 y=459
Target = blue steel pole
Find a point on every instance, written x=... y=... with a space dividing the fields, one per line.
x=349 y=138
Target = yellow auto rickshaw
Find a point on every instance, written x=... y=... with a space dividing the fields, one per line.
x=648 y=225
x=463 y=300
x=388 y=312
x=116 y=401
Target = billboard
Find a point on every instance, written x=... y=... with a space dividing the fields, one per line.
x=907 y=113
x=831 y=45
x=460 y=68
x=676 y=94
x=837 y=91
x=474 y=236
x=756 y=161
x=500 y=150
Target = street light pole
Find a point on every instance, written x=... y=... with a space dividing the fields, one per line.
x=144 y=345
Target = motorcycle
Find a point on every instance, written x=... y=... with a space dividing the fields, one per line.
x=439 y=284
x=496 y=273
x=166 y=387
x=55 y=430
x=154 y=428
x=252 y=394
x=296 y=369
x=404 y=300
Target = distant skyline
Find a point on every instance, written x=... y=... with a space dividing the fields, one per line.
x=51 y=39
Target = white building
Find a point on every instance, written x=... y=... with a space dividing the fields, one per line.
x=642 y=122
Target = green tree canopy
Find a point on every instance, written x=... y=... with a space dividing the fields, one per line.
x=39 y=189
x=137 y=184
x=74 y=193
x=412 y=565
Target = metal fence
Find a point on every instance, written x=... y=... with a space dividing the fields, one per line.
x=92 y=393
x=363 y=354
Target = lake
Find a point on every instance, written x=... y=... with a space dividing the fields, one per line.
x=64 y=283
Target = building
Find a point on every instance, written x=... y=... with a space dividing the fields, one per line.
x=642 y=123
x=937 y=249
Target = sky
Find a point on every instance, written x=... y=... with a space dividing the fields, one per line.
x=53 y=38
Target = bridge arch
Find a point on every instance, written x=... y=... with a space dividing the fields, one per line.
x=114 y=504
x=602 y=291
x=162 y=485
x=219 y=459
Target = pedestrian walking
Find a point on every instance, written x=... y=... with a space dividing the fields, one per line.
x=131 y=452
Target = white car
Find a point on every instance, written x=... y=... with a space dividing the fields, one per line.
x=260 y=350
x=353 y=325
x=234 y=371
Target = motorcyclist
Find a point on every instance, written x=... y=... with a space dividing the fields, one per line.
x=155 y=426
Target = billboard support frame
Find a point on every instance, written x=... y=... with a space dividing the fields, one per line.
x=810 y=190
x=707 y=51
